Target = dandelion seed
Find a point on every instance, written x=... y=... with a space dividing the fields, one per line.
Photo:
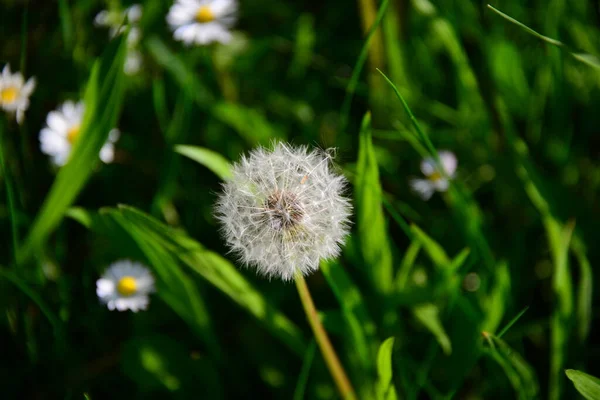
x=62 y=130
x=436 y=181
x=125 y=285
x=202 y=21
x=284 y=210
x=14 y=93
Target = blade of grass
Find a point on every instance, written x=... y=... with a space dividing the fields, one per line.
x=362 y=58
x=103 y=100
x=371 y=224
x=585 y=58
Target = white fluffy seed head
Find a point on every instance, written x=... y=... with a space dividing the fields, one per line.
x=284 y=210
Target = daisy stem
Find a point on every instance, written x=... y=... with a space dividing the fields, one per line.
x=331 y=359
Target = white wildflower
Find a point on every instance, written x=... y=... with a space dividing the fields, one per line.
x=119 y=22
x=125 y=285
x=62 y=130
x=202 y=21
x=284 y=210
x=436 y=181
x=15 y=92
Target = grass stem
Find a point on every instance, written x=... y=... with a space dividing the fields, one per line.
x=331 y=359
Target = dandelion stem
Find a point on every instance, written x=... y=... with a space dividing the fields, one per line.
x=331 y=359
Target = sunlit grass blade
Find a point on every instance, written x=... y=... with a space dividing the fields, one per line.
x=103 y=100
x=180 y=292
x=220 y=273
x=587 y=385
x=495 y=302
x=250 y=123
x=371 y=223
x=408 y=261
x=428 y=315
x=588 y=59
x=360 y=62
x=385 y=384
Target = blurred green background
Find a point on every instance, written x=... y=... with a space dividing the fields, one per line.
x=511 y=245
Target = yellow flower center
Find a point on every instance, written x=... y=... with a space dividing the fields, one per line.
x=9 y=95
x=72 y=133
x=127 y=286
x=436 y=176
x=204 y=15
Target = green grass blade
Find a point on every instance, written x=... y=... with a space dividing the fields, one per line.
x=38 y=300
x=496 y=301
x=103 y=100
x=309 y=356
x=220 y=273
x=587 y=385
x=428 y=315
x=518 y=371
x=408 y=261
x=358 y=323
x=385 y=384
x=184 y=75
x=371 y=224
x=360 y=63
x=512 y=322
x=584 y=297
x=585 y=58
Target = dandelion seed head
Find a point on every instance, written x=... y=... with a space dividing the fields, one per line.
x=284 y=210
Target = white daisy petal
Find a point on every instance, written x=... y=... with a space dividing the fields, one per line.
x=449 y=162
x=125 y=286
x=423 y=188
x=61 y=131
x=202 y=22
x=14 y=93
x=436 y=180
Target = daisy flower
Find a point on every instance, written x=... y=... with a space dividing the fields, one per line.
x=202 y=21
x=62 y=130
x=436 y=181
x=125 y=285
x=118 y=22
x=284 y=210
x=14 y=92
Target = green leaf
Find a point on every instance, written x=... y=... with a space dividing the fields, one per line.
x=587 y=385
x=371 y=224
x=495 y=302
x=385 y=385
x=185 y=76
x=518 y=371
x=432 y=248
x=428 y=315
x=103 y=101
x=210 y=159
x=250 y=123
x=585 y=58
x=162 y=243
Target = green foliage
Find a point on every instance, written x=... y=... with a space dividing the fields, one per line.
x=486 y=290
x=587 y=385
